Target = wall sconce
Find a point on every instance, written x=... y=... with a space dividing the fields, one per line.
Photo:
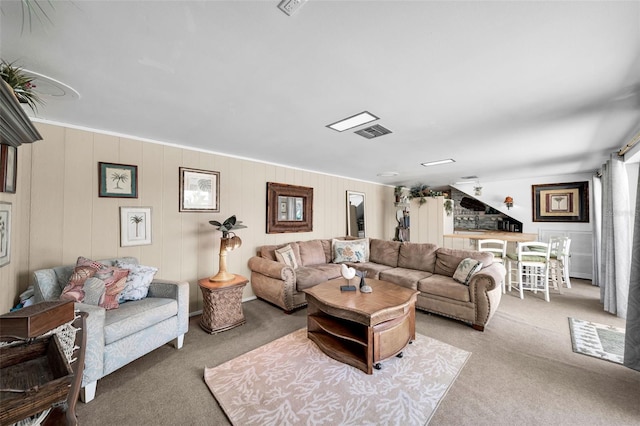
x=508 y=201
x=228 y=242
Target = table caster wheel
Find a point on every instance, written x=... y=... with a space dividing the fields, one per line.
x=377 y=366
x=400 y=355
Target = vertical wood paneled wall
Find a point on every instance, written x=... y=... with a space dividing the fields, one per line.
x=61 y=217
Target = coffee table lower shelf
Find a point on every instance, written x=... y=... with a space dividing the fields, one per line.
x=358 y=345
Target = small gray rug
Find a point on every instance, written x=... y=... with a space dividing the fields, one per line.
x=291 y=382
x=597 y=340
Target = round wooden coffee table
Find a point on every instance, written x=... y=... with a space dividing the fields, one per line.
x=361 y=329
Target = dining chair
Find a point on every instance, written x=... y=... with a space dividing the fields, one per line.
x=499 y=250
x=559 y=262
x=531 y=264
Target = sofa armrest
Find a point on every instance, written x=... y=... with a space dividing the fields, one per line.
x=94 y=351
x=274 y=282
x=178 y=290
x=271 y=268
x=485 y=290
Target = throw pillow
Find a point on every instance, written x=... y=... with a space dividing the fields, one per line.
x=349 y=250
x=285 y=255
x=138 y=281
x=85 y=268
x=114 y=282
x=93 y=291
x=465 y=270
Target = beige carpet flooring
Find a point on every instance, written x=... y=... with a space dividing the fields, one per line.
x=522 y=369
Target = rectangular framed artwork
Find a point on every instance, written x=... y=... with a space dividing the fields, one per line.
x=117 y=180
x=8 y=168
x=199 y=190
x=289 y=208
x=135 y=226
x=561 y=202
x=5 y=233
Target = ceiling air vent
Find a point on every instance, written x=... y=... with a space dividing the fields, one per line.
x=373 y=131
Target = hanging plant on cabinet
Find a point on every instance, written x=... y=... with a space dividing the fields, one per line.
x=21 y=84
x=422 y=191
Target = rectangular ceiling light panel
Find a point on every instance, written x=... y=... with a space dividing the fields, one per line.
x=353 y=121
x=435 y=163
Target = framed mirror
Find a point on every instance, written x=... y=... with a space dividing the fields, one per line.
x=289 y=208
x=355 y=214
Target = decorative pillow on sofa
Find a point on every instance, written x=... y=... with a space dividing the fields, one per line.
x=115 y=280
x=349 y=250
x=465 y=270
x=93 y=291
x=285 y=255
x=85 y=268
x=137 y=282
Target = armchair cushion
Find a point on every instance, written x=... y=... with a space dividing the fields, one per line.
x=138 y=281
x=135 y=316
x=84 y=269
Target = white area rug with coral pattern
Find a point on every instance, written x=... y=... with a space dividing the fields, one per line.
x=291 y=382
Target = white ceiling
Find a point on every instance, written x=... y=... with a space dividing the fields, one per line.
x=507 y=89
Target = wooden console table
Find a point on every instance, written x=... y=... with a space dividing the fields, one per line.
x=361 y=329
x=222 y=304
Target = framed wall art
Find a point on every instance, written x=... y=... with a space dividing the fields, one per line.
x=117 y=180
x=135 y=226
x=289 y=208
x=8 y=168
x=561 y=202
x=199 y=190
x=5 y=233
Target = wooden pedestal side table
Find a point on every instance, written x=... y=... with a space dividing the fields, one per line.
x=222 y=304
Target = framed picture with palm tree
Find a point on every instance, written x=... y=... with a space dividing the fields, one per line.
x=135 y=226
x=199 y=190
x=117 y=180
x=560 y=202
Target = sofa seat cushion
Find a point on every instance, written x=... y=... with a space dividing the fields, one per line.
x=332 y=270
x=404 y=277
x=307 y=277
x=372 y=269
x=311 y=253
x=420 y=256
x=439 y=285
x=133 y=316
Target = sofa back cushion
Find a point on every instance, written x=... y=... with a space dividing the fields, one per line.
x=384 y=252
x=447 y=260
x=311 y=253
x=419 y=256
x=269 y=251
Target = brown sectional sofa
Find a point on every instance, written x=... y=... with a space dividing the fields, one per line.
x=421 y=266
